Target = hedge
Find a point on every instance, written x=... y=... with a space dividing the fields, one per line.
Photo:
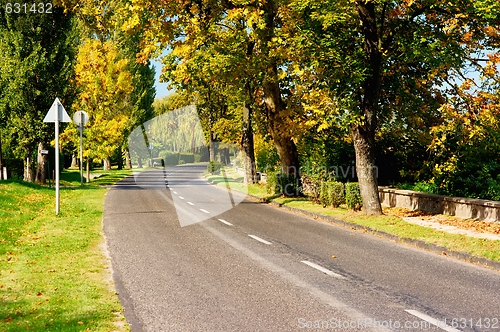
x=353 y=196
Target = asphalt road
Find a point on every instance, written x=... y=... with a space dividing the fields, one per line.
x=188 y=256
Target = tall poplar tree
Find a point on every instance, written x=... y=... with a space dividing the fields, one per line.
x=36 y=66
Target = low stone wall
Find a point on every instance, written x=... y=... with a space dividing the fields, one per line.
x=456 y=206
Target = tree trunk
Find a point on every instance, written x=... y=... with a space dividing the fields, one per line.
x=224 y=156
x=106 y=164
x=366 y=170
x=275 y=107
x=128 y=160
x=363 y=133
x=287 y=150
x=139 y=162
x=213 y=146
x=248 y=147
x=42 y=160
x=120 y=157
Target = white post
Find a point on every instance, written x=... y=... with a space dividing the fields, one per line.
x=57 y=157
x=81 y=148
x=56 y=118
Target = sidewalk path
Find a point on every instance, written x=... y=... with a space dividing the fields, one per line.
x=450 y=229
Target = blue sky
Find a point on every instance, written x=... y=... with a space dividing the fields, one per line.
x=161 y=88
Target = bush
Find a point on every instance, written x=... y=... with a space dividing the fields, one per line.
x=172 y=158
x=272 y=182
x=188 y=158
x=214 y=167
x=332 y=193
x=324 y=194
x=278 y=183
x=353 y=196
x=426 y=187
x=337 y=192
x=288 y=185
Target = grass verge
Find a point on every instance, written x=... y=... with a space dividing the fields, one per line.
x=71 y=178
x=53 y=273
x=387 y=223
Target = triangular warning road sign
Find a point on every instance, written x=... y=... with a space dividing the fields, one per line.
x=61 y=112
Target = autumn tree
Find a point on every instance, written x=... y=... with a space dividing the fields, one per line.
x=143 y=80
x=105 y=86
x=216 y=68
x=188 y=24
x=382 y=60
x=101 y=20
x=465 y=146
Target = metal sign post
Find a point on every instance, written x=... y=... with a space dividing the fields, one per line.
x=80 y=127
x=57 y=114
x=81 y=118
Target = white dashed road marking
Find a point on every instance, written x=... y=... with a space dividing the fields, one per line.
x=441 y=324
x=225 y=222
x=190 y=203
x=322 y=269
x=259 y=239
x=202 y=210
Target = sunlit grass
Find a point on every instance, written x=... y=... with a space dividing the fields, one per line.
x=389 y=224
x=53 y=273
x=71 y=177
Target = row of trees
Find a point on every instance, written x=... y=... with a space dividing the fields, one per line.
x=36 y=54
x=321 y=81
x=78 y=54
x=362 y=71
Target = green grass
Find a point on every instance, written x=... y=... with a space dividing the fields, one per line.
x=235 y=181
x=397 y=226
x=53 y=273
x=71 y=177
x=389 y=224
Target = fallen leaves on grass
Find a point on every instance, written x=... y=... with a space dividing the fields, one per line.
x=469 y=224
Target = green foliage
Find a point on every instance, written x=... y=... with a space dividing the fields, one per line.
x=36 y=66
x=325 y=197
x=426 y=187
x=353 y=196
x=176 y=128
x=214 y=167
x=282 y=184
x=288 y=185
x=171 y=158
x=175 y=158
x=332 y=194
x=316 y=71
x=266 y=156
x=187 y=157
x=272 y=187
x=337 y=192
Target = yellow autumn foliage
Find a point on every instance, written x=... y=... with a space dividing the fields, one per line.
x=104 y=86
